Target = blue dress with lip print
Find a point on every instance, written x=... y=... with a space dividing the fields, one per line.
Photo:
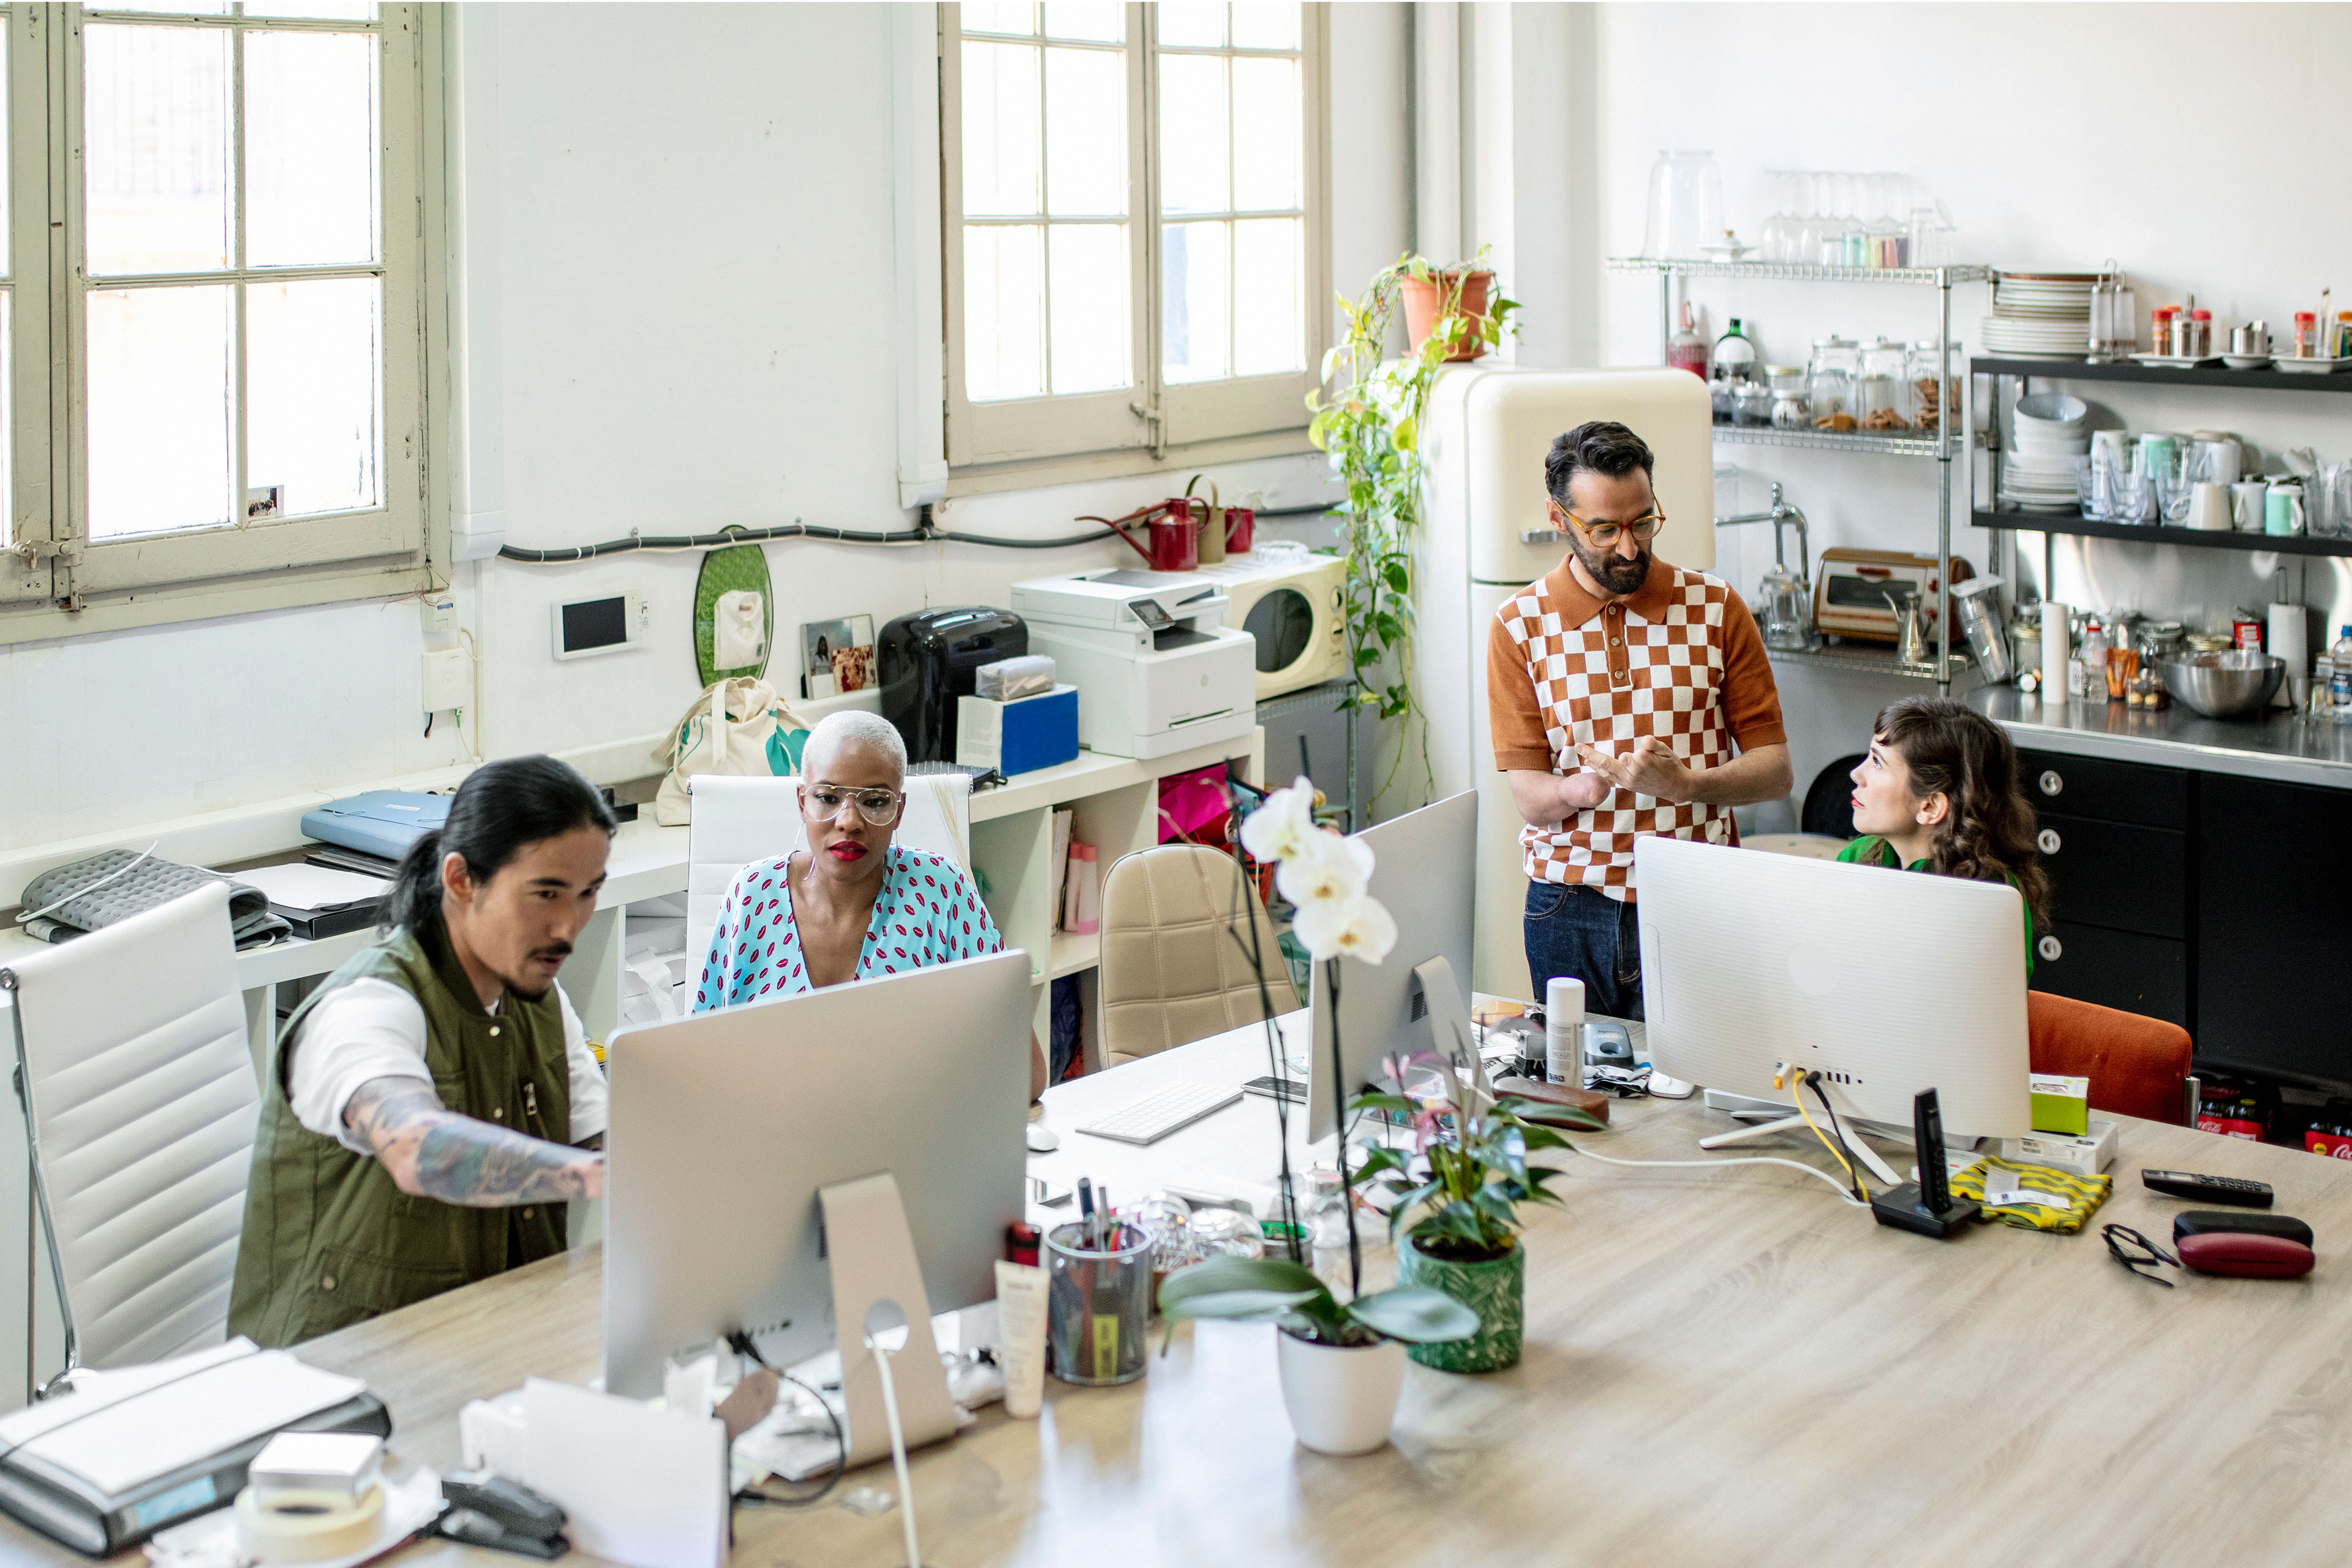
x=928 y=912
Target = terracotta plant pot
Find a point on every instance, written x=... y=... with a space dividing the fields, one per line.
x=1496 y=1290
x=1424 y=305
x=1341 y=1398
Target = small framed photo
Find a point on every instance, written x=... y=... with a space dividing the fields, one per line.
x=837 y=657
x=264 y=501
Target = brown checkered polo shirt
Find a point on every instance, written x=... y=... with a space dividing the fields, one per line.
x=1680 y=659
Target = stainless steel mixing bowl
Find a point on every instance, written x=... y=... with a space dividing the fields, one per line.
x=2224 y=685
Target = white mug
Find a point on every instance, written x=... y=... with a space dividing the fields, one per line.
x=2246 y=504
x=2208 y=507
x=2221 y=456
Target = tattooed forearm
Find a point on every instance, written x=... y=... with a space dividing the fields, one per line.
x=432 y=1152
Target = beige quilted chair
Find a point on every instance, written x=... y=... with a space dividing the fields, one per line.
x=1170 y=972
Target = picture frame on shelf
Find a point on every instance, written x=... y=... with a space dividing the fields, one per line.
x=837 y=655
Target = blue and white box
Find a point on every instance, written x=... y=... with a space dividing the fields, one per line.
x=1020 y=736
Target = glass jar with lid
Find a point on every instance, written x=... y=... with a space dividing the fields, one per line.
x=1753 y=405
x=1790 y=411
x=1929 y=389
x=1881 y=395
x=1829 y=381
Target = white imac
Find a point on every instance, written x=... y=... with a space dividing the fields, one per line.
x=734 y=1132
x=1424 y=871
x=1887 y=982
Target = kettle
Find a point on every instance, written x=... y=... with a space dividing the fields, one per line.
x=1787 y=600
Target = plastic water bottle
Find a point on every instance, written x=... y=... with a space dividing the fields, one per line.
x=1564 y=1030
x=2339 y=681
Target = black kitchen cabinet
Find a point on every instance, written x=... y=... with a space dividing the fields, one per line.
x=2274 y=865
x=2142 y=975
x=2116 y=875
x=2108 y=791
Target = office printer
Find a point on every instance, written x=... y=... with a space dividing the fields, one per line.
x=1156 y=668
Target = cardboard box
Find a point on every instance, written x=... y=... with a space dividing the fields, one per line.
x=2060 y=1104
x=1020 y=736
x=2078 y=1154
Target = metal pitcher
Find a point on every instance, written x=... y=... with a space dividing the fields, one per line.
x=1910 y=629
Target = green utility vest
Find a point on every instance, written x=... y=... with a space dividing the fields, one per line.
x=330 y=1240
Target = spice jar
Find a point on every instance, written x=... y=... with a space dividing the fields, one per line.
x=1883 y=394
x=2200 y=334
x=2306 y=335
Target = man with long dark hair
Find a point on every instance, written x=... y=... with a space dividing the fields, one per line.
x=1626 y=696
x=434 y=1105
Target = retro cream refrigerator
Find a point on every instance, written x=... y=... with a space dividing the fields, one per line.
x=1486 y=532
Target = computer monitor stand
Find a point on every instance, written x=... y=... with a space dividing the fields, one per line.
x=873 y=1256
x=1861 y=1151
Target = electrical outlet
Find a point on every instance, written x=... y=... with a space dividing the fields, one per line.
x=440 y=613
x=449 y=680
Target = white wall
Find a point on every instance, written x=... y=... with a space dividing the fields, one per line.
x=676 y=243
x=2061 y=137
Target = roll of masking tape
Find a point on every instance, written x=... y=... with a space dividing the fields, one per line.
x=300 y=1526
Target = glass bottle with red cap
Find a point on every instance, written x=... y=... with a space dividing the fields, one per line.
x=2306 y=334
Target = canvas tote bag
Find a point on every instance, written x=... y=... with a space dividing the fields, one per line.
x=735 y=726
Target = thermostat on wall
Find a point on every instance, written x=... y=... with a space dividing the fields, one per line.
x=586 y=626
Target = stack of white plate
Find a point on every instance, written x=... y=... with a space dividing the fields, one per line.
x=2050 y=434
x=2039 y=315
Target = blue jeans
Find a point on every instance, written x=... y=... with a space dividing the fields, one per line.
x=1582 y=933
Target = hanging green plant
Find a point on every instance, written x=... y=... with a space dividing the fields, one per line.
x=1370 y=424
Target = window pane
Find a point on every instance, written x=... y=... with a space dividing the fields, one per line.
x=155 y=114
x=159 y=409
x=991 y=18
x=1266 y=162
x=197 y=8
x=332 y=10
x=1086 y=134
x=1188 y=24
x=1269 y=287
x=1192 y=172
x=7 y=415
x=1192 y=322
x=309 y=148
x=1003 y=313
x=1088 y=301
x=1000 y=130
x=1098 y=23
x=1261 y=24
x=4 y=164
x=313 y=431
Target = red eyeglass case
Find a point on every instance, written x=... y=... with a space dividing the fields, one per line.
x=2245 y=1253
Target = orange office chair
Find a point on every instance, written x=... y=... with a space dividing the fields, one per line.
x=2136 y=1065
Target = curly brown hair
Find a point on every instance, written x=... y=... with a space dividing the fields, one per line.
x=1987 y=834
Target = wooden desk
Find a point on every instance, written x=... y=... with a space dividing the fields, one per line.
x=1721 y=1366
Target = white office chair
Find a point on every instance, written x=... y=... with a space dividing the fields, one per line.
x=738 y=821
x=140 y=1109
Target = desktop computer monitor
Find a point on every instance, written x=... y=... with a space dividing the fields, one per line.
x=1887 y=982
x=725 y=1125
x=1424 y=871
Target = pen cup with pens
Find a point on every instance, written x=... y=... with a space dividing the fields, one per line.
x=1099 y=1301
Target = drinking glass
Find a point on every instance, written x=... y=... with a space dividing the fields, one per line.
x=1806 y=242
x=1778 y=229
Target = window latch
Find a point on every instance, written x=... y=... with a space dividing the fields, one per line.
x=1150 y=413
x=36 y=551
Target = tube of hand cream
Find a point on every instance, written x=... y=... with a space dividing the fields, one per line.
x=1020 y=1319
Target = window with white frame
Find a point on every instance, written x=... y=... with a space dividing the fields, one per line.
x=231 y=248
x=1135 y=225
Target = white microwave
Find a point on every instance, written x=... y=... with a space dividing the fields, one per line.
x=1291 y=606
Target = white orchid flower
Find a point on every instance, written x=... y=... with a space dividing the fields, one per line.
x=1357 y=928
x=1327 y=869
x=1282 y=827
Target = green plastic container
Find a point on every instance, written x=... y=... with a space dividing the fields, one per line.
x=1496 y=1290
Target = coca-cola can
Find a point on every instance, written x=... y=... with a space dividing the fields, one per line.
x=2246 y=633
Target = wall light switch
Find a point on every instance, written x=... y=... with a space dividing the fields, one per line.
x=449 y=680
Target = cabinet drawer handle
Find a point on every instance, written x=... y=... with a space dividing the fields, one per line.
x=2048 y=840
x=2052 y=783
x=2050 y=950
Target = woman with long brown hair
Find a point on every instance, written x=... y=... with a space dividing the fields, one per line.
x=1938 y=792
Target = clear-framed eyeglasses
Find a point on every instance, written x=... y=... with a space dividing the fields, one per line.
x=876 y=805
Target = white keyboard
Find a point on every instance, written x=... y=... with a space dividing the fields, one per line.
x=1155 y=1116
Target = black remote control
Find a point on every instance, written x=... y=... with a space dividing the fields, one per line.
x=2196 y=1189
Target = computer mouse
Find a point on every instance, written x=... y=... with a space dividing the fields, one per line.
x=1043 y=1139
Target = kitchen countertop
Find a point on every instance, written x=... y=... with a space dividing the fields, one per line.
x=2275 y=747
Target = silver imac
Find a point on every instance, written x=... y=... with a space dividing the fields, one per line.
x=1424 y=870
x=1887 y=982
x=726 y=1125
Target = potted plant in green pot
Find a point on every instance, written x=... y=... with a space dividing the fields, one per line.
x=1342 y=1363
x=1455 y=1197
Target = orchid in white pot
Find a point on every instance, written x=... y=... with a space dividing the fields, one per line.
x=1342 y=1363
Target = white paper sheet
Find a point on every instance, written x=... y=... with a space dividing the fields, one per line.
x=307 y=887
x=646 y=1487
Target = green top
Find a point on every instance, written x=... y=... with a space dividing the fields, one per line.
x=329 y=1239
x=1872 y=850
